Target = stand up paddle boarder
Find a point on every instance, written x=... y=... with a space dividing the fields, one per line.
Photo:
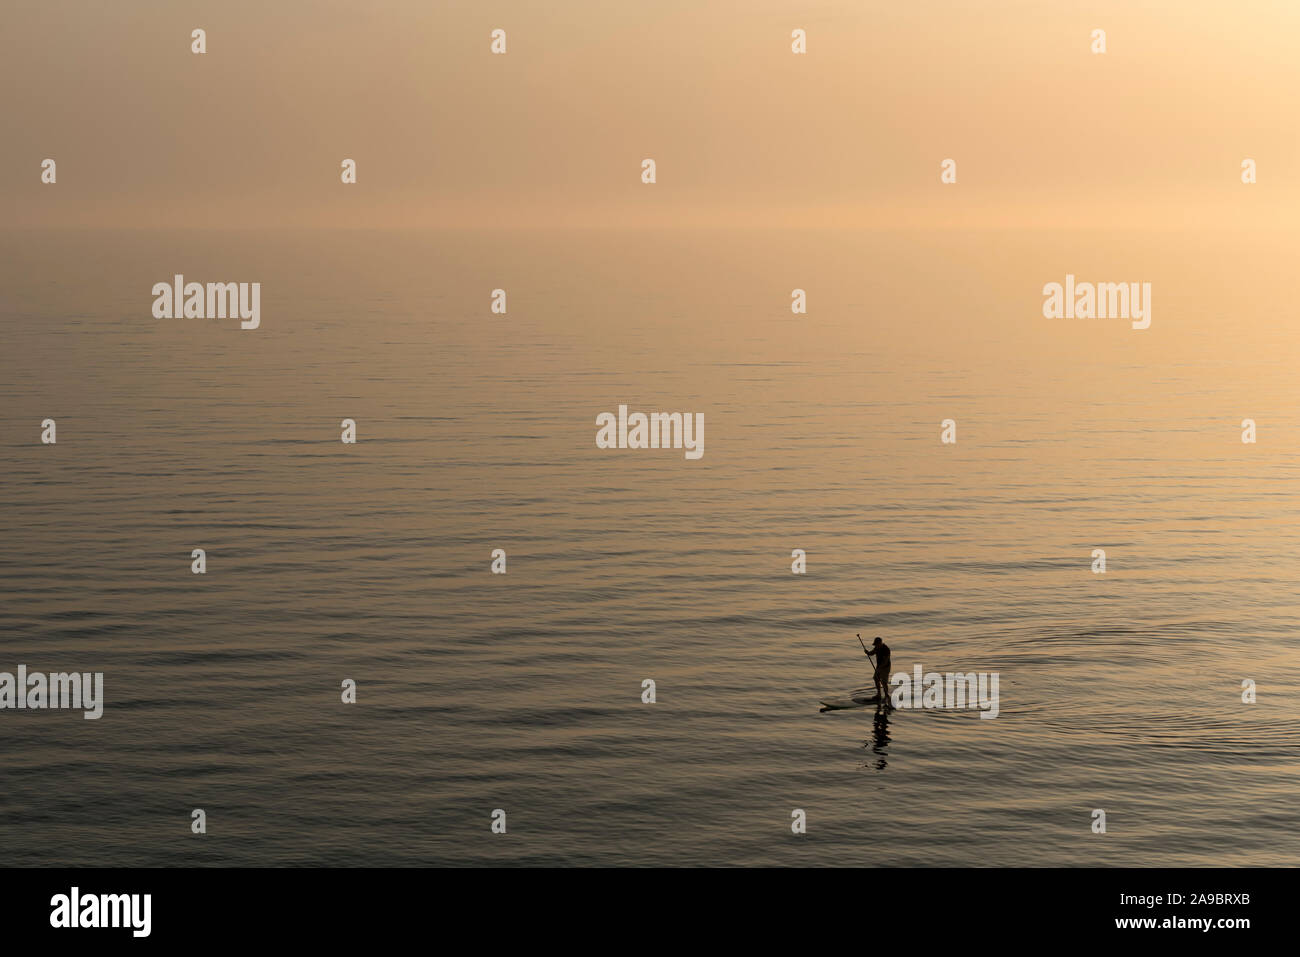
x=881 y=676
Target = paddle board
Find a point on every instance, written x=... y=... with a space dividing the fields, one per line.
x=853 y=701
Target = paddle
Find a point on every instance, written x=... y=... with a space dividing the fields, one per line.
x=864 y=645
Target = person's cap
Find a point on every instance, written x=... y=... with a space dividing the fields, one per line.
x=877 y=641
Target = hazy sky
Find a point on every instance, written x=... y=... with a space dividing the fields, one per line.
x=1044 y=132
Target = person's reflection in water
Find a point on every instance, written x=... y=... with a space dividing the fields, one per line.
x=879 y=742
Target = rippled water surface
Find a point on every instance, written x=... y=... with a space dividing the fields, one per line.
x=522 y=692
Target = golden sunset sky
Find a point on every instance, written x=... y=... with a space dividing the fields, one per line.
x=1044 y=132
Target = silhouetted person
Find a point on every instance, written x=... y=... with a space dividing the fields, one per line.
x=881 y=653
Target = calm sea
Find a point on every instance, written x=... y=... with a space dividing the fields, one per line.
x=522 y=691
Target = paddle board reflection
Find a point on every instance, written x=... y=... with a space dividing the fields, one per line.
x=879 y=741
